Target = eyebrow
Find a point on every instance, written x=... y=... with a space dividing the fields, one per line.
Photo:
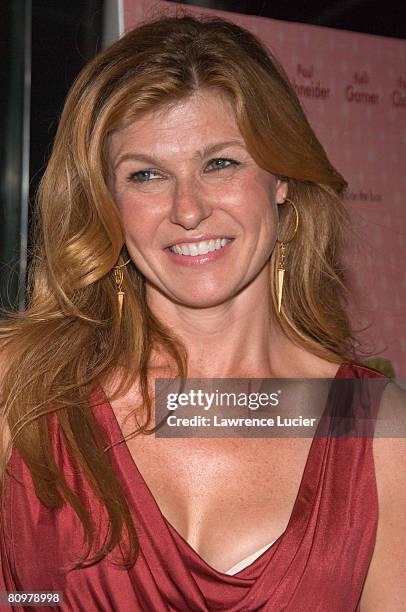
x=208 y=150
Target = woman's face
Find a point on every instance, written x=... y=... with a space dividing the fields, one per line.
x=184 y=183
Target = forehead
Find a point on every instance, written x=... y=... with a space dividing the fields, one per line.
x=203 y=116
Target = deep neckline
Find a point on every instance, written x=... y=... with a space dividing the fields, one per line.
x=124 y=451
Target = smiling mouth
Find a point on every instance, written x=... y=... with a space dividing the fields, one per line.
x=194 y=249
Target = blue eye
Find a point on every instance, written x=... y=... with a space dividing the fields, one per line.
x=144 y=176
x=139 y=177
x=221 y=163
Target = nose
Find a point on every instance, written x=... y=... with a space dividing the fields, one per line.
x=190 y=205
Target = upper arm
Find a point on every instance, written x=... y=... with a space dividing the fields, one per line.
x=385 y=586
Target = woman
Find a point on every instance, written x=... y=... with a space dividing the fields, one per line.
x=189 y=224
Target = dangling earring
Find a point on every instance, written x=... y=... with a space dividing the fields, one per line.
x=119 y=277
x=282 y=254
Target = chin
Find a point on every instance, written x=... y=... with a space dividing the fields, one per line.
x=199 y=299
x=202 y=301
x=193 y=294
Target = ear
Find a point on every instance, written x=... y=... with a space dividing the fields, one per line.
x=281 y=191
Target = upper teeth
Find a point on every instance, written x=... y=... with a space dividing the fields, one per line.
x=199 y=248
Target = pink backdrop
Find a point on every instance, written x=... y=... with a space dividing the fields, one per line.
x=353 y=88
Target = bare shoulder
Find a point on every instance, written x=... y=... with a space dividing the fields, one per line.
x=385 y=586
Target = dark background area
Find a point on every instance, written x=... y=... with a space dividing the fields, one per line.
x=65 y=36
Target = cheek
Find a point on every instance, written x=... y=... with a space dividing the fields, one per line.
x=124 y=201
x=138 y=233
x=258 y=208
x=138 y=223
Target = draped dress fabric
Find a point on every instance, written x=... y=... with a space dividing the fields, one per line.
x=319 y=563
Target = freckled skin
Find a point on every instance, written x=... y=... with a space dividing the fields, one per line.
x=185 y=195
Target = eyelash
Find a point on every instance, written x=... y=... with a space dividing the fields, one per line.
x=133 y=177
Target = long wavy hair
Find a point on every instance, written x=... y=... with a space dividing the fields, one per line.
x=68 y=340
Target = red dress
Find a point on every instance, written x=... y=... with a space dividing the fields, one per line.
x=319 y=563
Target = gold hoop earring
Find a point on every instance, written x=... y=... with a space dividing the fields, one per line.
x=282 y=254
x=119 y=277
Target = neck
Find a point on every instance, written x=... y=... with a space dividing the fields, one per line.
x=236 y=339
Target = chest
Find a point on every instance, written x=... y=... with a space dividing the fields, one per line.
x=226 y=497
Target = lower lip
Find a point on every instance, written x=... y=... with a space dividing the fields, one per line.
x=199 y=260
